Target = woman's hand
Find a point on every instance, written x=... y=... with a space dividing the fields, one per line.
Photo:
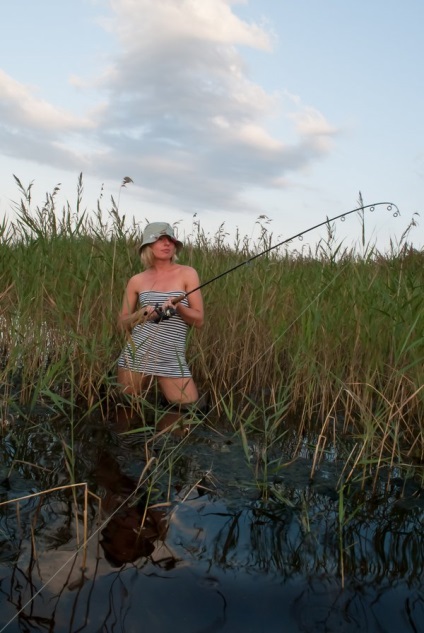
x=149 y=313
x=168 y=305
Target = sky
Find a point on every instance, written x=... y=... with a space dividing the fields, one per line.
x=226 y=113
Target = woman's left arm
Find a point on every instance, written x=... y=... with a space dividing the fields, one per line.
x=192 y=314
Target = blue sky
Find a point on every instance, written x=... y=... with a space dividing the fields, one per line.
x=226 y=109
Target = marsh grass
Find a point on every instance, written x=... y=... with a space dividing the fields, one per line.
x=296 y=333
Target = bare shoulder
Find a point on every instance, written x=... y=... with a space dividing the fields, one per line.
x=189 y=277
x=188 y=269
x=136 y=281
x=188 y=272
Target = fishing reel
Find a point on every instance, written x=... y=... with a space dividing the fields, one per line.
x=163 y=315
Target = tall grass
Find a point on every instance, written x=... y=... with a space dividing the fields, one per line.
x=331 y=329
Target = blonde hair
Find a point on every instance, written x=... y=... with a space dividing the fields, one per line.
x=147 y=257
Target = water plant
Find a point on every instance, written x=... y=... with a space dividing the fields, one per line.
x=305 y=332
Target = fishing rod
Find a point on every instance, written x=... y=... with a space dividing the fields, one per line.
x=166 y=314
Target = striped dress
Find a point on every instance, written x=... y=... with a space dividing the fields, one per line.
x=158 y=349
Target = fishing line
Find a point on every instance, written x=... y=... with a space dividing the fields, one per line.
x=43 y=587
x=74 y=555
x=152 y=472
x=93 y=534
x=265 y=352
x=169 y=312
x=341 y=216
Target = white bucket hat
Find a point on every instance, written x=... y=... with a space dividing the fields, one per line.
x=155 y=230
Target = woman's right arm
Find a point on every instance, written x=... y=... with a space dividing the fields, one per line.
x=129 y=317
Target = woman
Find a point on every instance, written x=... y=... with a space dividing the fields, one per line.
x=156 y=347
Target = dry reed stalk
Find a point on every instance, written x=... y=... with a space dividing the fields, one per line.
x=87 y=493
x=326 y=318
x=322 y=437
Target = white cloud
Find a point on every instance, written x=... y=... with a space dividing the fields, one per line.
x=258 y=138
x=33 y=129
x=21 y=108
x=312 y=125
x=170 y=21
x=179 y=90
x=180 y=114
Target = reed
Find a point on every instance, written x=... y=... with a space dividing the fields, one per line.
x=329 y=329
x=39 y=496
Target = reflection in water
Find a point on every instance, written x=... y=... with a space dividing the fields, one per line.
x=134 y=526
x=132 y=529
x=224 y=559
x=278 y=542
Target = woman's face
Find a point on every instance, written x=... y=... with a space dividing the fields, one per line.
x=163 y=248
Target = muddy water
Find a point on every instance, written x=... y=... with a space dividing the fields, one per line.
x=224 y=545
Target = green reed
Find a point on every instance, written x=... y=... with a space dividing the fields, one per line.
x=329 y=328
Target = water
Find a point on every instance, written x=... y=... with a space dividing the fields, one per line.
x=215 y=552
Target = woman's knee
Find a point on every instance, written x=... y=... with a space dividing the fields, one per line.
x=179 y=391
